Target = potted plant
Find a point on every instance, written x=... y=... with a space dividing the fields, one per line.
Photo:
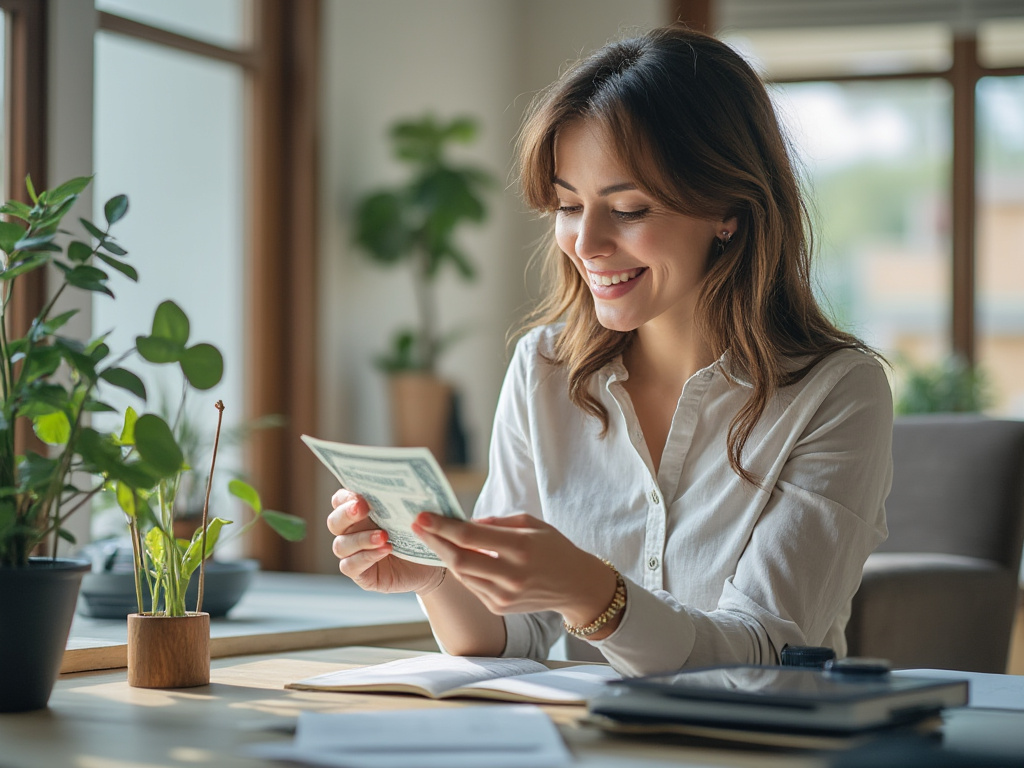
x=49 y=383
x=950 y=386
x=168 y=644
x=415 y=223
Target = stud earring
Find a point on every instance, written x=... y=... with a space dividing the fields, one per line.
x=721 y=241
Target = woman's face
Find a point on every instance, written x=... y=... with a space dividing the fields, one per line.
x=644 y=263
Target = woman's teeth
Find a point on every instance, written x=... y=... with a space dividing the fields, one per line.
x=613 y=278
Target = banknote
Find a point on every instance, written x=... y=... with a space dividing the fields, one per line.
x=398 y=484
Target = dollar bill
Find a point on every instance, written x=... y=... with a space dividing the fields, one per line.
x=398 y=484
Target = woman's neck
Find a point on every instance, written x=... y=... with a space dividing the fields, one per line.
x=664 y=358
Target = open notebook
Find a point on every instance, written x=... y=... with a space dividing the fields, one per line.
x=438 y=677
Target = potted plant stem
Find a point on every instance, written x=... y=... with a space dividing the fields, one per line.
x=416 y=223
x=49 y=384
x=168 y=646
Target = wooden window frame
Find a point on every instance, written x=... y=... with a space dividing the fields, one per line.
x=25 y=116
x=963 y=76
x=281 y=65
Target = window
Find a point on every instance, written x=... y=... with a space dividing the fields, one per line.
x=234 y=158
x=909 y=137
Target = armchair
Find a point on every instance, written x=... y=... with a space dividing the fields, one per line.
x=942 y=591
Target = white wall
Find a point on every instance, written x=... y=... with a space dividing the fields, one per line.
x=388 y=59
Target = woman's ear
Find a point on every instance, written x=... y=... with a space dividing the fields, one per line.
x=724 y=230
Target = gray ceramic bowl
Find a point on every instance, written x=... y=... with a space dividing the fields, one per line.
x=111 y=594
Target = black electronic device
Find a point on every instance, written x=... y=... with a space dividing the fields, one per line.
x=776 y=698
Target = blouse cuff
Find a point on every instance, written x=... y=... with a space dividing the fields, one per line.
x=655 y=634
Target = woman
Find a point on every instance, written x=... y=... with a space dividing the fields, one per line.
x=689 y=461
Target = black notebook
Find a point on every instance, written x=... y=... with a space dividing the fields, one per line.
x=778 y=699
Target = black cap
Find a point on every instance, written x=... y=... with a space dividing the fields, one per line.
x=806 y=656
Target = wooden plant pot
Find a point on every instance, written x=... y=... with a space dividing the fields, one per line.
x=421 y=406
x=168 y=651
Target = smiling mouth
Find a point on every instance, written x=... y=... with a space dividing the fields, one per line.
x=614 y=278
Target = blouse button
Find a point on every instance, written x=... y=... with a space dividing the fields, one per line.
x=655 y=498
x=652 y=563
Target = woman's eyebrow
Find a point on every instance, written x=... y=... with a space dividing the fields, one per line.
x=624 y=186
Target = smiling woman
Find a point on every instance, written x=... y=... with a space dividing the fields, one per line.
x=689 y=461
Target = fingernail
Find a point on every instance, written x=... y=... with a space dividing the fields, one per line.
x=377 y=537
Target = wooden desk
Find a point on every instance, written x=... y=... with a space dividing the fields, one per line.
x=95 y=720
x=280 y=612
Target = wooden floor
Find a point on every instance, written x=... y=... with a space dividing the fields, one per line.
x=1016 y=664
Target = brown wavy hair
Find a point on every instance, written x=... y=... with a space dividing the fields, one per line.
x=694 y=125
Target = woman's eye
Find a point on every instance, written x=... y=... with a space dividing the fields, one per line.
x=564 y=209
x=632 y=215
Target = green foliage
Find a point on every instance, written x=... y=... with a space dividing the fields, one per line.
x=952 y=386
x=416 y=222
x=52 y=382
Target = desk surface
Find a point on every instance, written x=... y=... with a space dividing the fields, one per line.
x=95 y=720
x=280 y=612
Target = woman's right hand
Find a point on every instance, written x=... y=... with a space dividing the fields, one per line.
x=364 y=552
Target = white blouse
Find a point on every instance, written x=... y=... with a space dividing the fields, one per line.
x=717 y=570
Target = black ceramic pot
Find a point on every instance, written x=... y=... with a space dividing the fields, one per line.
x=37 y=604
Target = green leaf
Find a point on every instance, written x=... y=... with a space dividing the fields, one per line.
x=381 y=228
x=242 y=490
x=158 y=350
x=288 y=527
x=79 y=252
x=95 y=406
x=35 y=241
x=125 y=379
x=170 y=323
x=155 y=444
x=203 y=366
x=39 y=331
x=39 y=363
x=125 y=269
x=92 y=229
x=70 y=188
x=17 y=209
x=36 y=472
x=52 y=428
x=67 y=535
x=30 y=262
x=115 y=208
x=10 y=234
x=125 y=498
x=89 y=279
x=127 y=436
x=113 y=247
x=154 y=543
x=31 y=189
x=191 y=559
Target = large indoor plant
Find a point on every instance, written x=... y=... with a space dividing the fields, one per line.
x=415 y=223
x=51 y=384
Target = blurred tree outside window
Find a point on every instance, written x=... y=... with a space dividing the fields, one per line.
x=869 y=113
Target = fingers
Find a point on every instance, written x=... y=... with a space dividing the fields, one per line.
x=350 y=544
x=342 y=496
x=349 y=510
x=358 y=564
x=492 y=535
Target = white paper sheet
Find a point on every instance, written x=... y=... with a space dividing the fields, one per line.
x=501 y=736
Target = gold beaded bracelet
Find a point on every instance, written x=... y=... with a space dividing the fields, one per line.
x=614 y=608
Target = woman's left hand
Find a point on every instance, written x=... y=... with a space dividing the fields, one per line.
x=520 y=564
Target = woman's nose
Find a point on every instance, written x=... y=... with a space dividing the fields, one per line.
x=594 y=238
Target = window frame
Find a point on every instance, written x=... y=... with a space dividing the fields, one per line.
x=280 y=64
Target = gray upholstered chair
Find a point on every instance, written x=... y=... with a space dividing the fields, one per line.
x=941 y=592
